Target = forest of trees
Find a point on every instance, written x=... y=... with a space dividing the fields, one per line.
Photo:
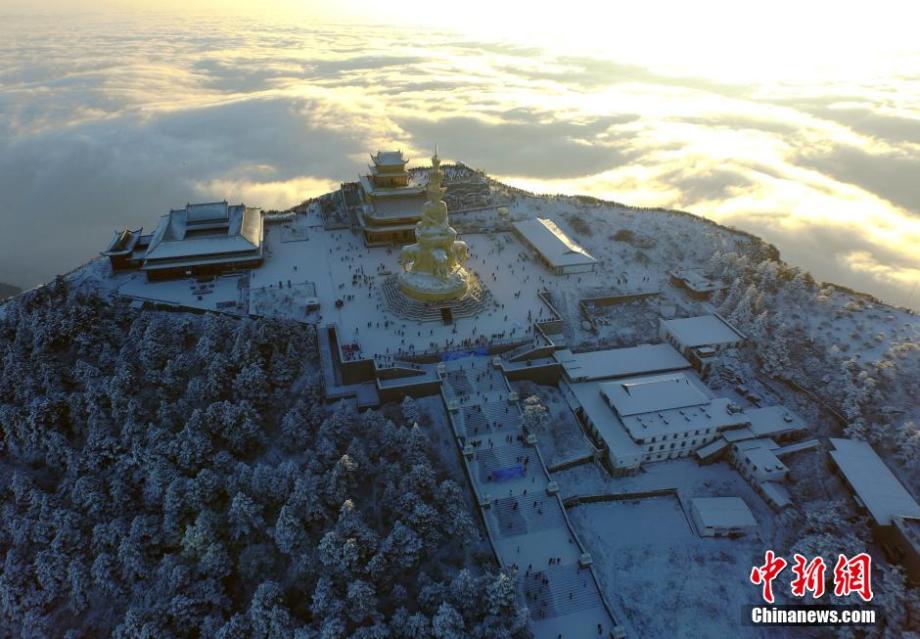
x=171 y=475
x=790 y=319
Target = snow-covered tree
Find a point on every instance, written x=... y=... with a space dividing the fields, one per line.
x=410 y=411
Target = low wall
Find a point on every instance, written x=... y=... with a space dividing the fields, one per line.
x=577 y=500
x=546 y=374
x=396 y=393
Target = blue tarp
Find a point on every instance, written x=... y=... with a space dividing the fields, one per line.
x=479 y=350
x=511 y=472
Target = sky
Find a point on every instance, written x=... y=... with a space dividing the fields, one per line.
x=798 y=123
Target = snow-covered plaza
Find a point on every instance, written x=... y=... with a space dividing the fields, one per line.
x=335 y=273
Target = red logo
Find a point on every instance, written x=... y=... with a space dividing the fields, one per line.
x=809 y=576
x=764 y=575
x=851 y=576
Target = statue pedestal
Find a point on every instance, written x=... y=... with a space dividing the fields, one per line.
x=462 y=301
x=426 y=287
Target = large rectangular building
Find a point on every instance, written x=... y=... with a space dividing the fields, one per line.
x=894 y=512
x=653 y=417
x=620 y=362
x=701 y=338
x=560 y=253
x=200 y=239
x=874 y=486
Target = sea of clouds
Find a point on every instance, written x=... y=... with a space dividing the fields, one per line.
x=109 y=122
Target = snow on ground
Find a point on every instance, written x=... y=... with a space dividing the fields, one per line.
x=661 y=241
x=227 y=293
x=287 y=299
x=648 y=555
x=859 y=326
x=691 y=479
x=560 y=436
x=630 y=323
x=528 y=529
x=342 y=268
x=304 y=261
x=671 y=582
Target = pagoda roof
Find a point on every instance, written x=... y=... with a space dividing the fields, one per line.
x=240 y=231
x=389 y=158
x=123 y=242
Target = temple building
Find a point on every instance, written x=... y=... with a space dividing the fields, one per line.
x=389 y=170
x=392 y=206
x=127 y=248
x=200 y=239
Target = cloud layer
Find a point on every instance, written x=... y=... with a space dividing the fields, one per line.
x=108 y=123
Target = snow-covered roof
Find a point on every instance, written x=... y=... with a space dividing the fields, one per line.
x=620 y=362
x=650 y=394
x=611 y=429
x=761 y=454
x=875 y=485
x=389 y=158
x=406 y=205
x=695 y=280
x=797 y=447
x=123 y=242
x=380 y=192
x=557 y=248
x=207 y=212
x=723 y=512
x=776 y=493
x=773 y=421
x=705 y=330
x=172 y=240
x=660 y=405
x=713 y=416
x=712 y=448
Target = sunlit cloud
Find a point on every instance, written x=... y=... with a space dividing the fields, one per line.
x=276 y=195
x=113 y=122
x=865 y=262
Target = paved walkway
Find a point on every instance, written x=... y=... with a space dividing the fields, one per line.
x=525 y=519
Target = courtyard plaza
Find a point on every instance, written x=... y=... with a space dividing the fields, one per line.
x=527 y=526
x=342 y=268
x=306 y=264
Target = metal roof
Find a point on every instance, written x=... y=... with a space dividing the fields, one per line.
x=620 y=362
x=705 y=330
x=872 y=481
x=723 y=512
x=557 y=248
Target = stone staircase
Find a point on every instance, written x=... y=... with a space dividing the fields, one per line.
x=559 y=590
x=507 y=455
x=477 y=299
x=525 y=514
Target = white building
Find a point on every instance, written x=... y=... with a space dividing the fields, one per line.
x=694 y=281
x=700 y=338
x=721 y=516
x=756 y=460
x=654 y=417
x=560 y=253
